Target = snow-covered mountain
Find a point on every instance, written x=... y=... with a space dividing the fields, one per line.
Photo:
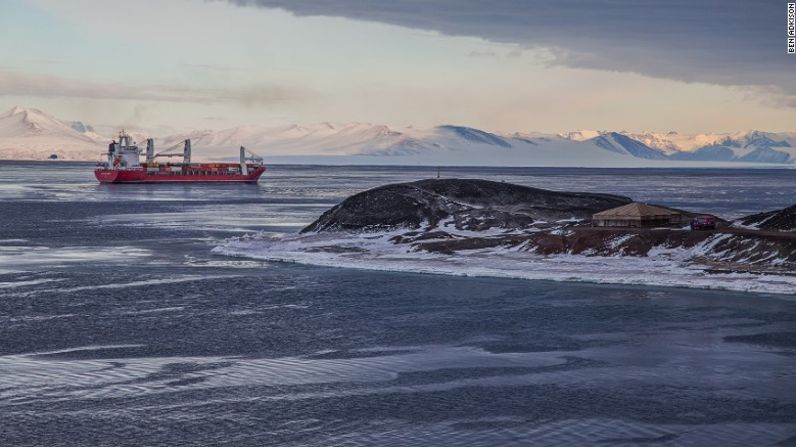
x=623 y=144
x=323 y=139
x=750 y=146
x=32 y=134
x=581 y=135
x=379 y=144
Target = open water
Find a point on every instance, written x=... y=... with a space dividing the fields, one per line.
x=119 y=327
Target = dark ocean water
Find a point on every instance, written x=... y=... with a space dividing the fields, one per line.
x=119 y=327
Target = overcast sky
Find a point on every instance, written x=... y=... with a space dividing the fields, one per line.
x=556 y=65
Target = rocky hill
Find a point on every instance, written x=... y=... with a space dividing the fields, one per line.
x=777 y=220
x=450 y=216
x=485 y=228
x=468 y=204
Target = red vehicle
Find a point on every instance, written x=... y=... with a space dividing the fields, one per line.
x=703 y=223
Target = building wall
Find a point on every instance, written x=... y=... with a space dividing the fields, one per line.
x=635 y=222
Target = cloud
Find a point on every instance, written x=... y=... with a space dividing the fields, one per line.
x=517 y=52
x=14 y=83
x=487 y=53
x=727 y=42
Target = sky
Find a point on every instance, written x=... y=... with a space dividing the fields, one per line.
x=525 y=65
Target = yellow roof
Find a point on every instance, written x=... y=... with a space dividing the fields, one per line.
x=636 y=209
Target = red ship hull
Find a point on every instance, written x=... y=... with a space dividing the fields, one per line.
x=192 y=174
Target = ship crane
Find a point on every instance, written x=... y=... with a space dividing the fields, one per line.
x=186 y=151
x=254 y=158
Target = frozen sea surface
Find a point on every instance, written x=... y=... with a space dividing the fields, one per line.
x=119 y=326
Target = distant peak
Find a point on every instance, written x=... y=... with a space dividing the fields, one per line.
x=16 y=110
x=581 y=135
x=19 y=110
x=474 y=135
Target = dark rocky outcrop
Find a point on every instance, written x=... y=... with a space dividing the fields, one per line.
x=451 y=215
x=778 y=220
x=470 y=204
x=728 y=249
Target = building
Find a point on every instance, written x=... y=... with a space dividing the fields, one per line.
x=637 y=215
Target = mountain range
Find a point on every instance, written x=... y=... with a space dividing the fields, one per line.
x=27 y=133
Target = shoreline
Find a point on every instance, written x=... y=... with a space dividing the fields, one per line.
x=557 y=268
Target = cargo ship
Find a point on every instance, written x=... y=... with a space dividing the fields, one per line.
x=124 y=165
